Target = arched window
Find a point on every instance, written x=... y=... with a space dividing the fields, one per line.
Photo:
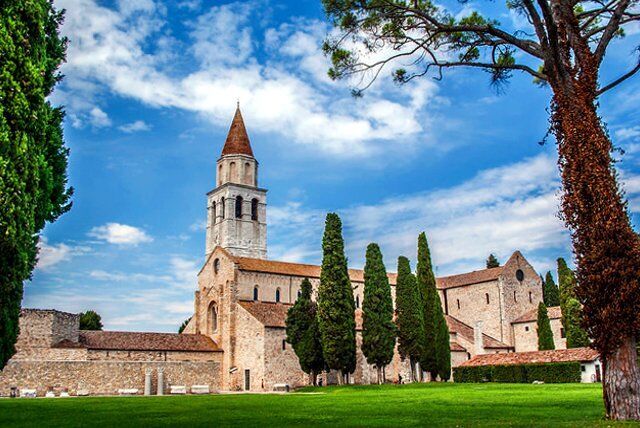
x=254 y=209
x=357 y=302
x=530 y=297
x=515 y=298
x=247 y=173
x=222 y=204
x=487 y=297
x=216 y=265
x=219 y=174
x=458 y=302
x=277 y=295
x=255 y=293
x=238 y=206
x=213 y=211
x=213 y=317
x=284 y=344
x=232 y=171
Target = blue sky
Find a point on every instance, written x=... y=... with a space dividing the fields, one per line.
x=150 y=90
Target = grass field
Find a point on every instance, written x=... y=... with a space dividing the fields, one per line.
x=407 y=405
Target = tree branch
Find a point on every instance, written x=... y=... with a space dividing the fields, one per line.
x=610 y=30
x=619 y=80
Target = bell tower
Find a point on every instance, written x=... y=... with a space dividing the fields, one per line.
x=237 y=207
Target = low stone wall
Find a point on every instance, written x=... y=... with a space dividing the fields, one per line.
x=105 y=377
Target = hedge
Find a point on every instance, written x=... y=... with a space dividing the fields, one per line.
x=520 y=373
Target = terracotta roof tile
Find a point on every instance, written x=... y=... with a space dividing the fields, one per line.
x=237 y=141
x=133 y=341
x=554 y=356
x=295 y=269
x=462 y=329
x=553 y=311
x=468 y=278
x=456 y=347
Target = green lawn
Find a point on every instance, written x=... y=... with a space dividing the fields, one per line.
x=408 y=405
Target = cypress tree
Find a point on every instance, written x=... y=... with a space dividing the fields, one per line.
x=303 y=332
x=428 y=293
x=378 y=329
x=184 y=325
x=550 y=292
x=33 y=156
x=545 y=335
x=336 y=308
x=443 y=346
x=570 y=307
x=492 y=261
x=409 y=315
x=572 y=316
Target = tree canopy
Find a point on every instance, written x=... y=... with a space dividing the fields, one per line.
x=303 y=332
x=545 y=335
x=33 y=158
x=90 y=320
x=336 y=308
x=492 y=261
x=550 y=292
x=409 y=315
x=429 y=295
x=378 y=329
x=184 y=325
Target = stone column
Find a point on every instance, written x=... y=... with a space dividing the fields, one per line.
x=160 y=381
x=147 y=381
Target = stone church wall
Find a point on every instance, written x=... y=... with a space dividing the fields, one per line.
x=281 y=365
x=104 y=377
x=249 y=352
x=474 y=306
x=526 y=335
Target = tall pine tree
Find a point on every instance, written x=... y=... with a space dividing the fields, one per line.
x=429 y=294
x=570 y=307
x=409 y=315
x=443 y=346
x=336 y=308
x=33 y=157
x=378 y=329
x=303 y=332
x=550 y=292
x=492 y=261
x=545 y=335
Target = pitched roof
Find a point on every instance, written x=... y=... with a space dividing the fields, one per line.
x=554 y=356
x=295 y=269
x=456 y=347
x=553 y=311
x=469 y=278
x=133 y=341
x=237 y=141
x=462 y=329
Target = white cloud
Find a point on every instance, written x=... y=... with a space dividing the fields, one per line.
x=122 y=234
x=99 y=118
x=114 y=50
x=136 y=126
x=628 y=133
x=51 y=255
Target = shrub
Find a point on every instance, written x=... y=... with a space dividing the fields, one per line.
x=520 y=373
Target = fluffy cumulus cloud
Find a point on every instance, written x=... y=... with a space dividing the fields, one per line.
x=126 y=50
x=121 y=234
x=50 y=255
x=136 y=126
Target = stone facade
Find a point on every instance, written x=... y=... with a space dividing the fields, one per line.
x=525 y=330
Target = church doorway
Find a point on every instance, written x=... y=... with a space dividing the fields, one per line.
x=247 y=380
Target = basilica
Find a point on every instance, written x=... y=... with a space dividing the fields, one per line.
x=235 y=339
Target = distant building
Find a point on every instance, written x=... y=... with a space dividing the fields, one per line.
x=235 y=339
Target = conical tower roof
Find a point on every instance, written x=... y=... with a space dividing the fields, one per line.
x=237 y=142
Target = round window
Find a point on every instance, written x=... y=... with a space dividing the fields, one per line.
x=519 y=275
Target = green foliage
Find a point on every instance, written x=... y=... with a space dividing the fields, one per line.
x=184 y=325
x=443 y=345
x=336 y=307
x=568 y=372
x=378 y=329
x=571 y=307
x=303 y=332
x=492 y=262
x=572 y=316
x=409 y=315
x=428 y=294
x=545 y=335
x=90 y=320
x=550 y=292
x=33 y=159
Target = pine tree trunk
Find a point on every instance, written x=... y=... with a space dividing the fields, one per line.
x=412 y=367
x=379 y=374
x=606 y=247
x=621 y=385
